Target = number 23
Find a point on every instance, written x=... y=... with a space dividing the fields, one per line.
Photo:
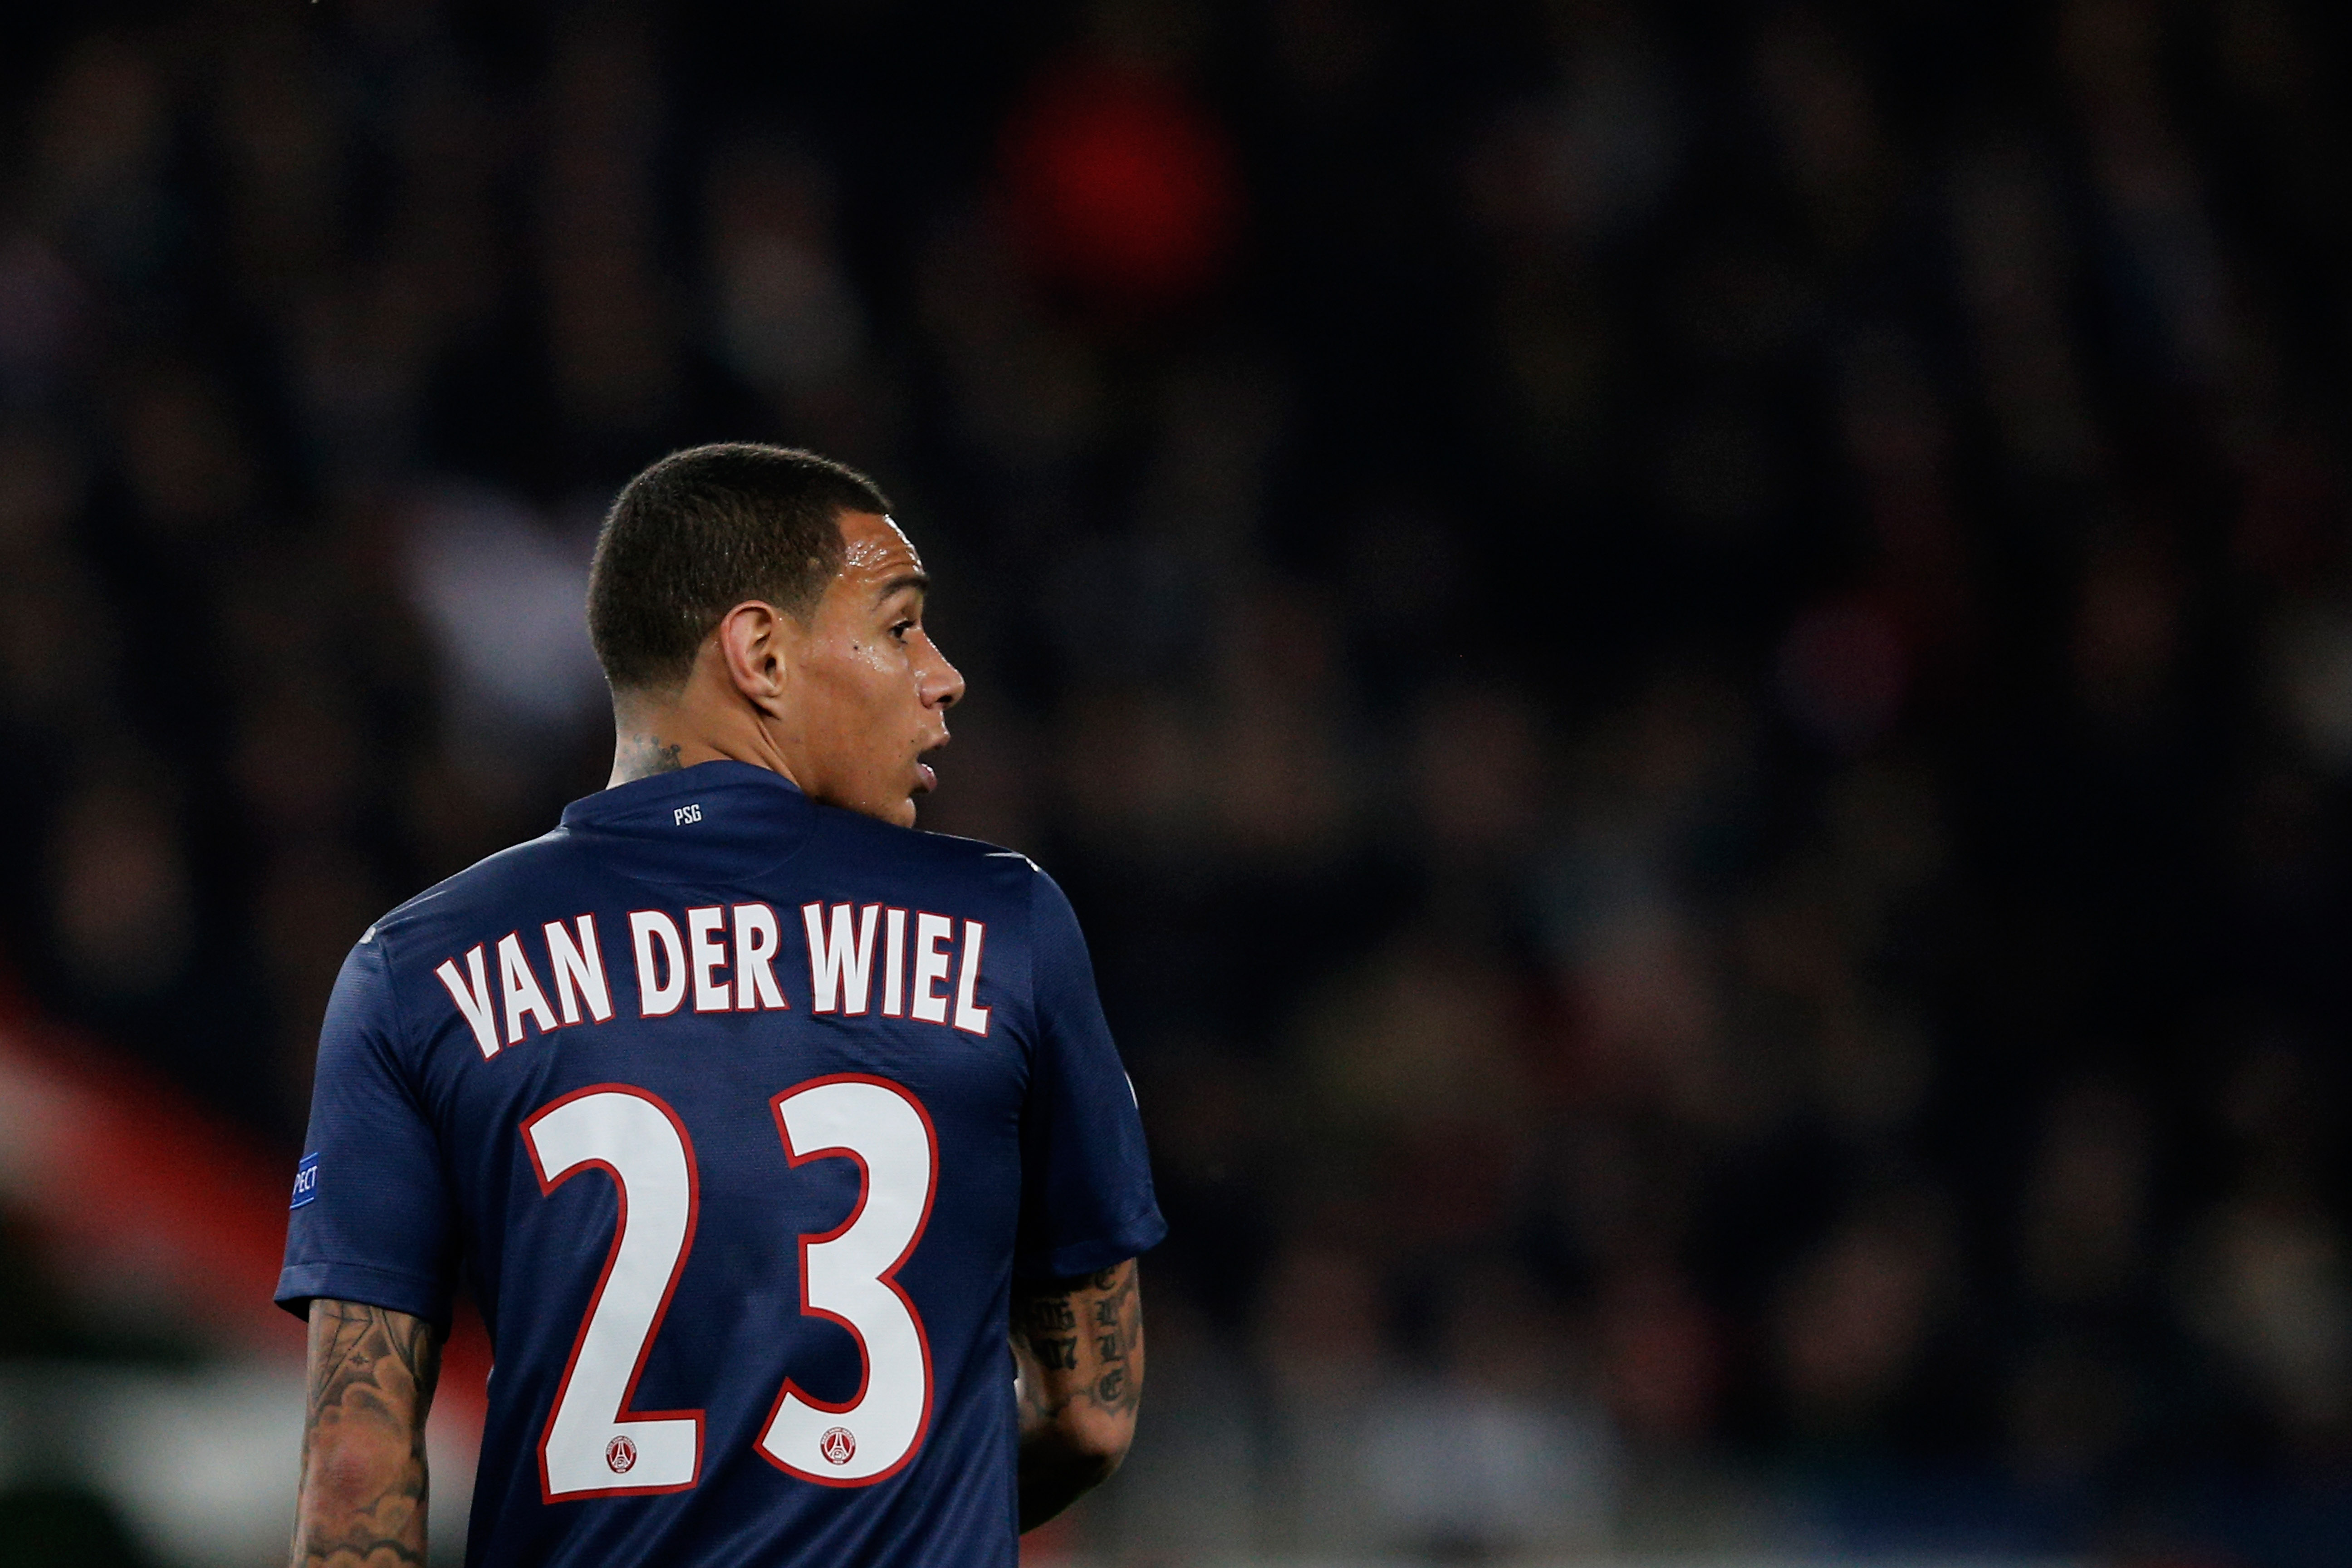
x=593 y=1444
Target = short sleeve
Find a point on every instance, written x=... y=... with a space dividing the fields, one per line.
x=1085 y=1180
x=371 y=1218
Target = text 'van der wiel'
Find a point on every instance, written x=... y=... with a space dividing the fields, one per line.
x=724 y=957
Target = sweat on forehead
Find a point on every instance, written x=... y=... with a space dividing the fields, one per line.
x=875 y=547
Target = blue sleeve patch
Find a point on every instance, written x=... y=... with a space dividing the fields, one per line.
x=306 y=1181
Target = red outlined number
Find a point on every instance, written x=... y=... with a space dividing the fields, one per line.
x=593 y=1440
x=850 y=1276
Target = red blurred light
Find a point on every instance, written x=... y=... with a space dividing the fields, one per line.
x=1121 y=184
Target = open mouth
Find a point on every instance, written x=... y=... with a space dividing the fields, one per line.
x=926 y=779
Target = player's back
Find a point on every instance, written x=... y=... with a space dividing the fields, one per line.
x=741 y=1113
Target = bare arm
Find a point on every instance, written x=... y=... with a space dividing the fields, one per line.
x=1078 y=1344
x=362 y=1497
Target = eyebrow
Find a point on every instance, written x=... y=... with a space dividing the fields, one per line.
x=916 y=579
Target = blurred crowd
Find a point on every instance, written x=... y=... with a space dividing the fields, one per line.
x=1692 y=664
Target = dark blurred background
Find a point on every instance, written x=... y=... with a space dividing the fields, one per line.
x=1692 y=664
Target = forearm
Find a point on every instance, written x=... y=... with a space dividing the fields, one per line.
x=1079 y=1345
x=1055 y=1471
x=363 y=1483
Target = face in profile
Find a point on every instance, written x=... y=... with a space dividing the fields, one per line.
x=874 y=691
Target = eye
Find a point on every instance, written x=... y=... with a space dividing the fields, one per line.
x=901 y=629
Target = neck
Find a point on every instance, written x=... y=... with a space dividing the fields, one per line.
x=652 y=738
x=641 y=753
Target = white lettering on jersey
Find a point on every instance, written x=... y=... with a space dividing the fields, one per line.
x=594 y=1444
x=970 y=1019
x=592 y=1438
x=657 y=996
x=894 y=965
x=725 y=956
x=756 y=942
x=841 y=972
x=932 y=933
x=850 y=1276
x=473 y=998
x=519 y=990
x=709 y=951
x=578 y=971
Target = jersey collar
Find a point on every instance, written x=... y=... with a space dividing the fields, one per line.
x=712 y=819
x=623 y=801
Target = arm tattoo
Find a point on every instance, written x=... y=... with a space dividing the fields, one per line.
x=1118 y=1339
x=1091 y=1325
x=643 y=756
x=363 y=1503
x=1077 y=1344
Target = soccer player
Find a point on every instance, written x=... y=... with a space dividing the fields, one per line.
x=752 y=1118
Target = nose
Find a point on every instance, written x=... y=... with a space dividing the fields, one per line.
x=940 y=683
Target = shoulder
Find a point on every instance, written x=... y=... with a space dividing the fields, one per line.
x=459 y=904
x=940 y=858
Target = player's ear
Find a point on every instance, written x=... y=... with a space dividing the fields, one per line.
x=754 y=649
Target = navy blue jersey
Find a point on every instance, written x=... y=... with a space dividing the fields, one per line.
x=739 y=1114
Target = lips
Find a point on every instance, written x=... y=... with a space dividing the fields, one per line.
x=926 y=780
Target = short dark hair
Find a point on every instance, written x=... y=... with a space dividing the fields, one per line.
x=699 y=532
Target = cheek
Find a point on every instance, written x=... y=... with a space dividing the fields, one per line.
x=850 y=675
x=875 y=672
x=865 y=687
x=890 y=667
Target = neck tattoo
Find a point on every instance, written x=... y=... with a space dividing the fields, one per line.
x=642 y=756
